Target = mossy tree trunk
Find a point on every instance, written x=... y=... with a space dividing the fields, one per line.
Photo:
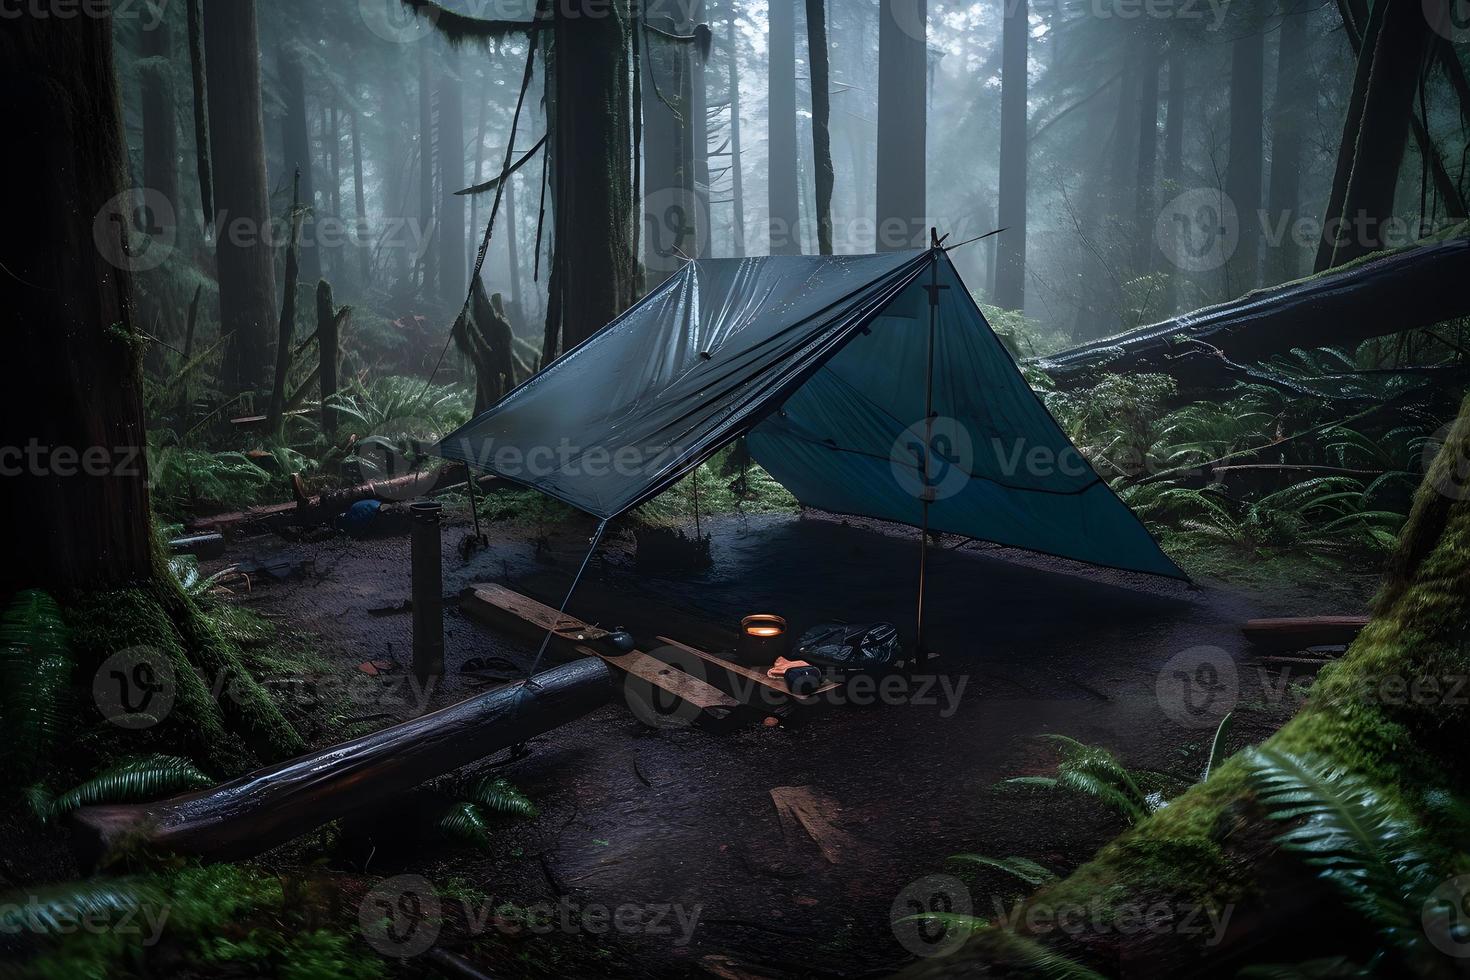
x=79 y=502
x=1215 y=846
x=83 y=525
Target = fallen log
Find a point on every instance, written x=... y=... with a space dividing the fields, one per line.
x=1304 y=632
x=1380 y=295
x=270 y=806
x=332 y=502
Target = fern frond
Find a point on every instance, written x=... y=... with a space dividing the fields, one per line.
x=465 y=824
x=1347 y=830
x=499 y=796
x=56 y=910
x=1023 y=869
x=36 y=666
x=134 y=781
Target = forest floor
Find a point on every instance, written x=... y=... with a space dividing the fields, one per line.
x=677 y=827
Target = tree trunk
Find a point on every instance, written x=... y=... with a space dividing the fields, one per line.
x=1173 y=152
x=1354 y=17
x=737 y=176
x=327 y=342
x=76 y=470
x=271 y=806
x=247 y=278
x=1010 y=261
x=453 y=273
x=1148 y=156
x=195 y=19
x=593 y=163
x=1395 y=44
x=364 y=256
x=513 y=251
x=785 y=207
x=1244 y=171
x=428 y=228
x=696 y=65
x=671 y=231
x=160 y=129
x=482 y=103
x=816 y=37
x=287 y=327
x=903 y=74
x=1289 y=122
x=296 y=140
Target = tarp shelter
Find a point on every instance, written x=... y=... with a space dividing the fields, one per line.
x=826 y=364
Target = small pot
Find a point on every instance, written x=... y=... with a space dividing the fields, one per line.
x=763 y=638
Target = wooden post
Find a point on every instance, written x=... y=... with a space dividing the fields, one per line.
x=427 y=592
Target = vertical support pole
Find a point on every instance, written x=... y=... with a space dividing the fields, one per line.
x=927 y=492
x=469 y=477
x=427 y=592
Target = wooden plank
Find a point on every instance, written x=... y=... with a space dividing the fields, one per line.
x=501 y=607
x=1300 y=633
x=743 y=681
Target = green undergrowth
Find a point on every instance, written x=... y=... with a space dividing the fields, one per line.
x=728 y=483
x=220 y=707
x=219 y=920
x=1389 y=713
x=187 y=669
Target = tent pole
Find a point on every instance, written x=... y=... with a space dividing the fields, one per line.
x=926 y=494
x=546 y=640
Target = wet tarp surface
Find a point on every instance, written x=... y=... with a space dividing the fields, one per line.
x=822 y=362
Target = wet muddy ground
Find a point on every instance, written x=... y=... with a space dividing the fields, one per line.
x=677 y=829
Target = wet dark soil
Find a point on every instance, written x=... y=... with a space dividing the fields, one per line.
x=679 y=823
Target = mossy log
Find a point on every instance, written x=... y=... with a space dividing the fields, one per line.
x=1381 y=295
x=270 y=806
x=1214 y=848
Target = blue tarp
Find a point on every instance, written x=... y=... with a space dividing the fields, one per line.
x=822 y=362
